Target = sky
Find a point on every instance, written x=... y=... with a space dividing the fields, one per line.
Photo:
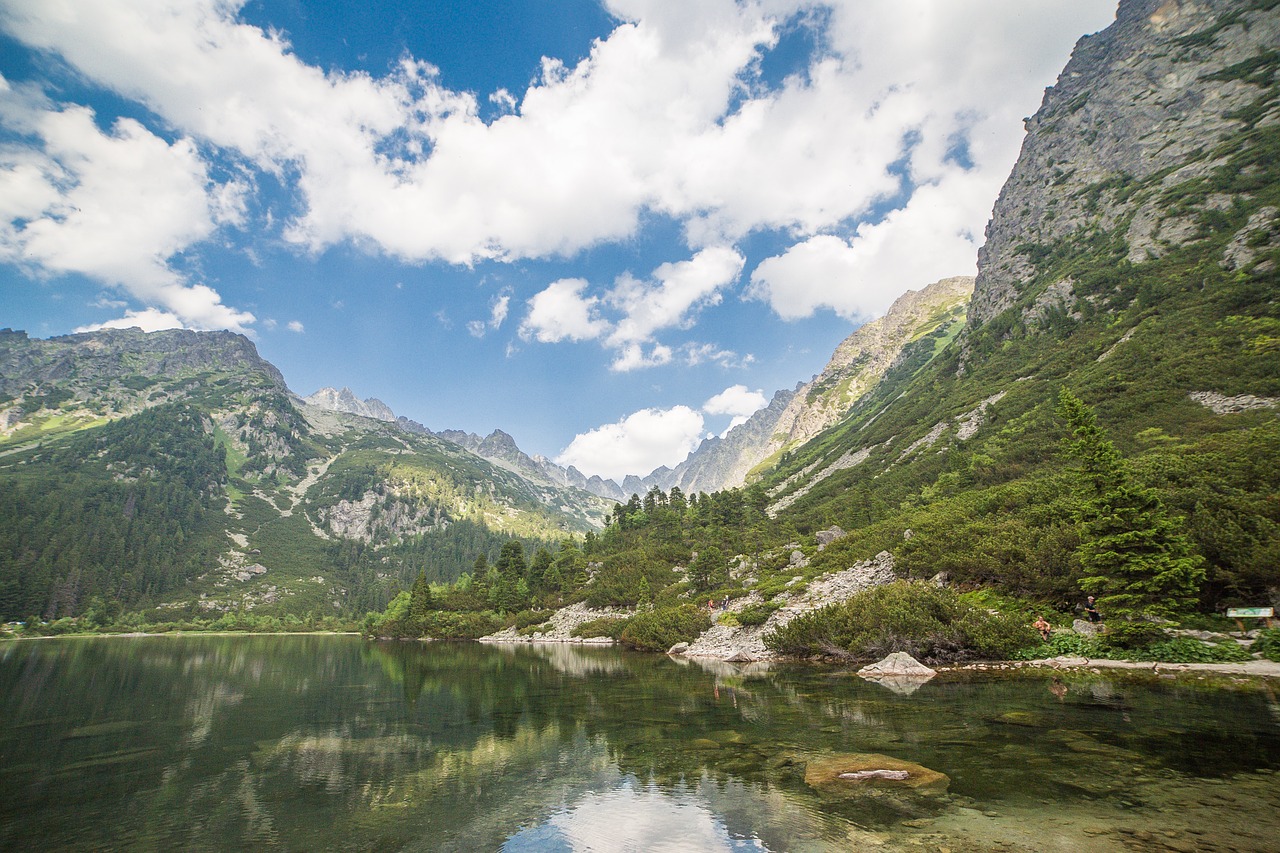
x=610 y=228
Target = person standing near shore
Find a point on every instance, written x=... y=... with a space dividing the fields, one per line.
x=1091 y=610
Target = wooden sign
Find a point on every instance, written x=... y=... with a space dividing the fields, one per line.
x=1250 y=612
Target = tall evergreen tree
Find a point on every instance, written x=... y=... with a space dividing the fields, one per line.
x=420 y=600
x=1136 y=558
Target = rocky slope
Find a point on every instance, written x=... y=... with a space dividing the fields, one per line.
x=1139 y=109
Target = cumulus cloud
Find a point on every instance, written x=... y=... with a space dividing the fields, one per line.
x=148 y=320
x=651 y=438
x=561 y=312
x=113 y=206
x=671 y=298
x=696 y=136
x=296 y=326
x=638 y=443
x=930 y=238
x=737 y=402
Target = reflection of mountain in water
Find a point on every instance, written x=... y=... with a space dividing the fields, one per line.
x=329 y=743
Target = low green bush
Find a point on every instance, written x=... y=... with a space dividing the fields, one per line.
x=447 y=625
x=756 y=614
x=1191 y=650
x=527 y=618
x=1063 y=645
x=606 y=626
x=1268 y=644
x=661 y=628
x=929 y=623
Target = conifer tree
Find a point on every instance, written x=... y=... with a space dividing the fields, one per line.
x=420 y=600
x=1137 y=558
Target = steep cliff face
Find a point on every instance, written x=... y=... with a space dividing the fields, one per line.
x=1138 y=116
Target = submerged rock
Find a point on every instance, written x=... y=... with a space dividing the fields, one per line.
x=852 y=774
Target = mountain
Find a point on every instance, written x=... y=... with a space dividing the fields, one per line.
x=923 y=320
x=1132 y=258
x=345 y=401
x=175 y=471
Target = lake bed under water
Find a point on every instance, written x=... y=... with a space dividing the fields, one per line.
x=333 y=743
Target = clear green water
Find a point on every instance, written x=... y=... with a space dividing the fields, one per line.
x=330 y=743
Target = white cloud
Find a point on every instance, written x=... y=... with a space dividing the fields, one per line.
x=148 y=320
x=379 y=157
x=672 y=298
x=296 y=326
x=737 y=402
x=561 y=312
x=678 y=290
x=112 y=206
x=667 y=115
x=632 y=356
x=638 y=443
x=497 y=316
x=928 y=239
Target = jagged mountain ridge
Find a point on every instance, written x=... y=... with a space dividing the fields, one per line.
x=791 y=418
x=794 y=417
x=177 y=471
x=346 y=401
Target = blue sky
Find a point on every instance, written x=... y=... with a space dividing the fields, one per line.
x=607 y=228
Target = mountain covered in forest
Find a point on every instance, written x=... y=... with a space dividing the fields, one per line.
x=1130 y=266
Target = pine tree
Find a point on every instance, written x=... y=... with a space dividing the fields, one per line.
x=420 y=600
x=1137 y=558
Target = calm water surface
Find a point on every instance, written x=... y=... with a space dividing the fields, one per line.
x=331 y=743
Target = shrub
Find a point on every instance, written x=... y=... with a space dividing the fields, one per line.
x=1063 y=645
x=528 y=618
x=929 y=623
x=1191 y=650
x=756 y=614
x=661 y=628
x=1268 y=644
x=445 y=625
x=606 y=626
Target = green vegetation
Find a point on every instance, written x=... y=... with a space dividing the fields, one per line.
x=932 y=624
x=661 y=628
x=1268 y=644
x=1135 y=557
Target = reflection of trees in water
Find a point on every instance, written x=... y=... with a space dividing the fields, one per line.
x=310 y=739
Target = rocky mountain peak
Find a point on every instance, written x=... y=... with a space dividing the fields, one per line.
x=346 y=401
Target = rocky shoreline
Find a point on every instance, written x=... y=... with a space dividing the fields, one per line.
x=739 y=644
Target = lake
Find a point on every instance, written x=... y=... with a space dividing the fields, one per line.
x=313 y=743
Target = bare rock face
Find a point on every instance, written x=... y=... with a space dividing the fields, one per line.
x=1142 y=101
x=345 y=401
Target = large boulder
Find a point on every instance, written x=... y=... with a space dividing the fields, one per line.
x=1085 y=628
x=896 y=664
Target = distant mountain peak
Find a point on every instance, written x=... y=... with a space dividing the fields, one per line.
x=346 y=401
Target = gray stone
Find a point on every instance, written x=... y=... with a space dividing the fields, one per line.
x=896 y=664
x=1085 y=628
